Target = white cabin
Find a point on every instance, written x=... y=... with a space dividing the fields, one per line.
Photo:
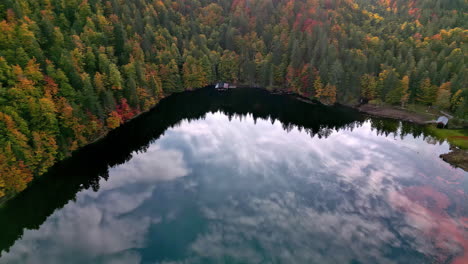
x=442 y=121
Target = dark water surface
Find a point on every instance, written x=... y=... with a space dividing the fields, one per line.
x=245 y=177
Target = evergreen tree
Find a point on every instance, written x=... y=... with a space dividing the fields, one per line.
x=65 y=66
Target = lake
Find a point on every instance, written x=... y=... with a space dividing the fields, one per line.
x=245 y=176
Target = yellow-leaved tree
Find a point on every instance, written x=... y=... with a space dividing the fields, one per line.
x=443 y=96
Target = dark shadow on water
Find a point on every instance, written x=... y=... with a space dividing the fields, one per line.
x=87 y=166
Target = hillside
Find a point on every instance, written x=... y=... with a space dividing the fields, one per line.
x=71 y=70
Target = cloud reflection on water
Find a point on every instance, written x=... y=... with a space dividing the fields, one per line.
x=99 y=226
x=265 y=195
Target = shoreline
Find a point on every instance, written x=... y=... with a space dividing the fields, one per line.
x=456 y=157
x=394 y=113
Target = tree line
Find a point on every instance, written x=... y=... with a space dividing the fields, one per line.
x=71 y=70
x=55 y=191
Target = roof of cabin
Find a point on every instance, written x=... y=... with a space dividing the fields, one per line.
x=442 y=119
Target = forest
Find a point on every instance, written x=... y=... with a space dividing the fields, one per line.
x=72 y=70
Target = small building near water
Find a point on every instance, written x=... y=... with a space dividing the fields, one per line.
x=442 y=122
x=224 y=86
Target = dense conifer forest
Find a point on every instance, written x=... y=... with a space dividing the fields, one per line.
x=71 y=70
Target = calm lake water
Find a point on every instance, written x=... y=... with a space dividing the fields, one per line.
x=245 y=177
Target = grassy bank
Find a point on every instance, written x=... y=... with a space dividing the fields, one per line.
x=456 y=137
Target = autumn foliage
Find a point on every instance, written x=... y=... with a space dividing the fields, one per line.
x=72 y=70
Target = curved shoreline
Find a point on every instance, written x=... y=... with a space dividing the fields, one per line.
x=452 y=157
